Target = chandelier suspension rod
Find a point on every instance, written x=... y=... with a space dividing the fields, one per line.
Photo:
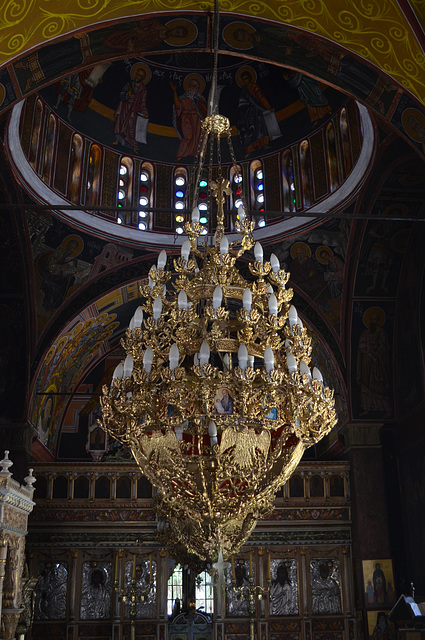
x=212 y=107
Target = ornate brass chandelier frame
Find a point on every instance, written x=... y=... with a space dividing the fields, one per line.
x=216 y=398
x=213 y=334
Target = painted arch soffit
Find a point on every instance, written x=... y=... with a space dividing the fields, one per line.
x=378 y=32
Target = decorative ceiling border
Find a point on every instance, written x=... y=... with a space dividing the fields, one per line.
x=379 y=32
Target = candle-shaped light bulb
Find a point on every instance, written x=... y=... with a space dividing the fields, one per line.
x=292 y=316
x=317 y=374
x=226 y=361
x=118 y=371
x=195 y=359
x=150 y=280
x=179 y=433
x=247 y=300
x=275 y=264
x=305 y=370
x=148 y=359
x=174 y=356
x=162 y=259
x=251 y=361
x=241 y=212
x=195 y=214
x=185 y=250
x=182 y=300
x=224 y=246
x=268 y=359
x=212 y=428
x=217 y=297
x=138 y=318
x=273 y=304
x=131 y=325
x=243 y=356
x=157 y=308
x=292 y=363
x=204 y=353
x=258 y=252
x=128 y=366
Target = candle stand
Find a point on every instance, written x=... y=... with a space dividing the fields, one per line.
x=133 y=594
x=253 y=591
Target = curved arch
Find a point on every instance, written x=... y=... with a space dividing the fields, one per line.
x=345 y=21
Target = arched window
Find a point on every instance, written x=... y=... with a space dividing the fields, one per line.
x=236 y=184
x=288 y=181
x=60 y=487
x=346 y=144
x=49 y=149
x=203 y=203
x=81 y=487
x=306 y=178
x=125 y=187
x=145 y=196
x=93 y=175
x=35 y=136
x=75 y=168
x=180 y=193
x=331 y=157
x=257 y=191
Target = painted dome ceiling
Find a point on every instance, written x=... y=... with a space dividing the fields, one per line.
x=298 y=103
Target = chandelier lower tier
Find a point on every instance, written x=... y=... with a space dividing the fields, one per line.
x=216 y=398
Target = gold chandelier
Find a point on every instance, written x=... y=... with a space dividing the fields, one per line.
x=215 y=398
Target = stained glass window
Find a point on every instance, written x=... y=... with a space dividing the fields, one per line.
x=180 y=198
x=75 y=164
x=49 y=149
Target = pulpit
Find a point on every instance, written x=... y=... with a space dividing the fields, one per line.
x=408 y=618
